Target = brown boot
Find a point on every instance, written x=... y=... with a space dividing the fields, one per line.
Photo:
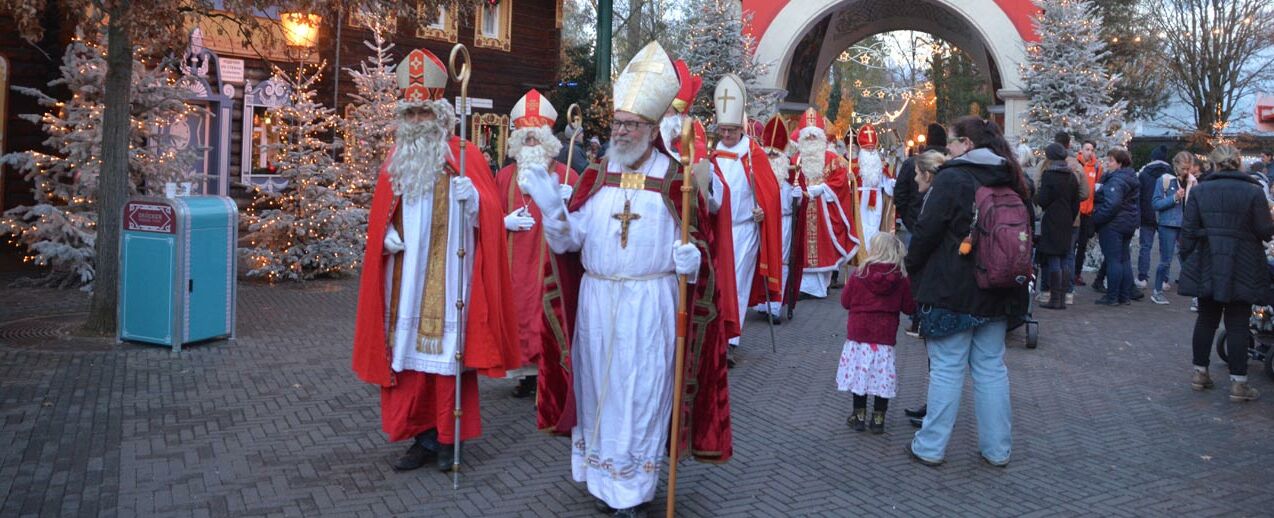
x=1056 y=293
x=1200 y=380
x=1240 y=391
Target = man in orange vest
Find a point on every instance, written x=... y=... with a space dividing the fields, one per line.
x=1092 y=171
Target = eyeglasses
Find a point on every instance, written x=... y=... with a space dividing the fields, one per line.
x=627 y=126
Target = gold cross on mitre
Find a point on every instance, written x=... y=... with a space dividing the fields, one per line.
x=725 y=99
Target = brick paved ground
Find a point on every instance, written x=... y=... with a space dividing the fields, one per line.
x=275 y=424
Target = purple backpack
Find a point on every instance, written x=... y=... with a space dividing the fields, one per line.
x=1001 y=235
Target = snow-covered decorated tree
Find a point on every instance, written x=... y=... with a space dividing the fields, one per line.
x=369 y=122
x=312 y=228
x=1067 y=87
x=716 y=45
x=59 y=229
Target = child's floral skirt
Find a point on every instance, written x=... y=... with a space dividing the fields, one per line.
x=867 y=369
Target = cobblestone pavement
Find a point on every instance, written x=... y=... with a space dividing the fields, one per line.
x=274 y=423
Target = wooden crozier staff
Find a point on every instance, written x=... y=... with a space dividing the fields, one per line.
x=573 y=117
x=683 y=322
x=460 y=74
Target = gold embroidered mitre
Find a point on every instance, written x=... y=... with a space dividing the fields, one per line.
x=648 y=84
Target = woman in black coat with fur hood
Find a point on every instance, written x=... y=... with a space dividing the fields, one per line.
x=1223 y=263
x=1058 y=196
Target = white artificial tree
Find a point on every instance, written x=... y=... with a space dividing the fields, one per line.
x=717 y=44
x=370 y=119
x=1067 y=86
x=59 y=229
x=312 y=227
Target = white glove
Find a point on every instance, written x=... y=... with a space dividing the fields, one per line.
x=817 y=190
x=462 y=189
x=536 y=182
x=518 y=221
x=566 y=191
x=686 y=257
x=393 y=242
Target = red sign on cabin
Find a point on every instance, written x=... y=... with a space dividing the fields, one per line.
x=148 y=217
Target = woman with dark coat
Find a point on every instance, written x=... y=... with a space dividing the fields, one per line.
x=1223 y=264
x=1058 y=195
x=964 y=325
x=1117 y=217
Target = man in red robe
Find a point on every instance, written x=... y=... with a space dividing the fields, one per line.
x=410 y=327
x=754 y=213
x=531 y=143
x=774 y=141
x=623 y=226
x=832 y=237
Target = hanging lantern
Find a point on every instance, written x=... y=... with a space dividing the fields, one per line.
x=300 y=29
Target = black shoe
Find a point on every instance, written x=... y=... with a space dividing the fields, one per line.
x=446 y=457
x=525 y=388
x=1099 y=286
x=415 y=457
x=774 y=319
x=1138 y=294
x=917 y=458
x=877 y=425
x=918 y=412
x=729 y=356
x=917 y=422
x=857 y=420
x=628 y=512
x=1106 y=302
x=602 y=506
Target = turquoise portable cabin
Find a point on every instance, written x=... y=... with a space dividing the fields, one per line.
x=177 y=270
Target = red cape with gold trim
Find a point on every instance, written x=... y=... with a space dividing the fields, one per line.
x=836 y=240
x=490 y=347
x=528 y=254
x=706 y=430
x=769 y=264
x=723 y=232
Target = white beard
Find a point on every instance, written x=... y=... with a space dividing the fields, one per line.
x=670 y=129
x=813 y=155
x=548 y=143
x=419 y=156
x=529 y=156
x=870 y=168
x=627 y=155
x=780 y=164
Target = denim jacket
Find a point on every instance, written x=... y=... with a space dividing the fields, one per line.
x=1167 y=208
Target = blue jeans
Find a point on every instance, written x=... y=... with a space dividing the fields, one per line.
x=1167 y=248
x=1070 y=261
x=1143 y=257
x=982 y=350
x=1114 y=246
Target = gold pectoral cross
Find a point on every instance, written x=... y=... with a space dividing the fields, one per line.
x=625 y=218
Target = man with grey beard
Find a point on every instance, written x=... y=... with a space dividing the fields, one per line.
x=411 y=305
x=624 y=223
x=530 y=144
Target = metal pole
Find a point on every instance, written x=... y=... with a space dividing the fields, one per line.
x=605 y=11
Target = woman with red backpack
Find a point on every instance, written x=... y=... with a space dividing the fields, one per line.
x=965 y=302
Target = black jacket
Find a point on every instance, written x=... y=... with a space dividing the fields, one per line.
x=943 y=277
x=907 y=196
x=1118 y=202
x=1148 y=178
x=1059 y=197
x=1222 y=254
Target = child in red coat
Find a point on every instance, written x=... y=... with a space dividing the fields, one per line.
x=874 y=295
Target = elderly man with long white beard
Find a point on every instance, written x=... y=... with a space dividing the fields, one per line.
x=409 y=319
x=753 y=191
x=531 y=144
x=624 y=221
x=831 y=238
x=874 y=183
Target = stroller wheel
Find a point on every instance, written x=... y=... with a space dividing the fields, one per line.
x=1032 y=335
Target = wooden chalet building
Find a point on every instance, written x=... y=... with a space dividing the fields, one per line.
x=514 y=46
